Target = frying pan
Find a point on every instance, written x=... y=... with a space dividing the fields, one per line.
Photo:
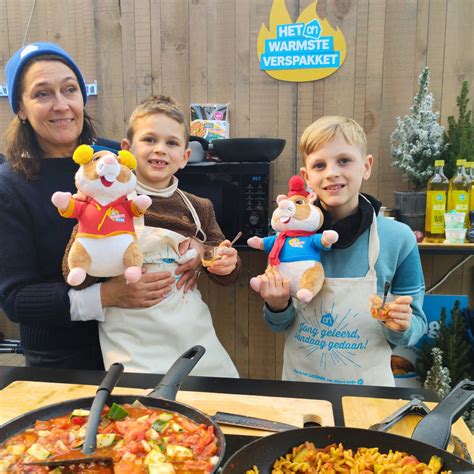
x=247 y=149
x=264 y=451
x=162 y=397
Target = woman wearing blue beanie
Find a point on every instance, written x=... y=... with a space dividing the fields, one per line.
x=47 y=93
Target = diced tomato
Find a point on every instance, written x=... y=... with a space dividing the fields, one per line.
x=79 y=420
x=196 y=466
x=107 y=429
x=122 y=427
x=135 y=447
x=127 y=467
x=188 y=425
x=208 y=451
x=136 y=432
x=410 y=460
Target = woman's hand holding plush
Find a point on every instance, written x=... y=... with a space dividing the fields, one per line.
x=150 y=290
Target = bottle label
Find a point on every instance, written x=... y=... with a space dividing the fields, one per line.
x=460 y=201
x=435 y=210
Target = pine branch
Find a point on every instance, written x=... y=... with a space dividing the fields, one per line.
x=459 y=137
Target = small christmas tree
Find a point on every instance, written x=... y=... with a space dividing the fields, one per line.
x=451 y=339
x=437 y=378
x=418 y=139
x=459 y=138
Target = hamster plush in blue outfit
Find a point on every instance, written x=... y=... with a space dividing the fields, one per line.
x=296 y=249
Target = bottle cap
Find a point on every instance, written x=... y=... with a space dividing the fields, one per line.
x=460 y=162
x=439 y=162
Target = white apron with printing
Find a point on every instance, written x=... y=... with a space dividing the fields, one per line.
x=151 y=339
x=334 y=338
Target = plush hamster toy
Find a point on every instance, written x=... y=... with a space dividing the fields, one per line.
x=296 y=250
x=105 y=244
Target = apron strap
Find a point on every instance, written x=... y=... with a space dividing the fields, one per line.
x=374 y=243
x=195 y=216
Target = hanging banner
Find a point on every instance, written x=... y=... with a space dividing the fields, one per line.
x=306 y=50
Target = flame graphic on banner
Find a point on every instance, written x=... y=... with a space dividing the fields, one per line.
x=279 y=16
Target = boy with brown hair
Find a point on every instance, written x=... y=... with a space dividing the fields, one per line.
x=334 y=338
x=164 y=314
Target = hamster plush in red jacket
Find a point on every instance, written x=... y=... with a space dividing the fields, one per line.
x=296 y=249
x=106 y=243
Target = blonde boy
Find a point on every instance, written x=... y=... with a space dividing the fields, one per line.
x=334 y=338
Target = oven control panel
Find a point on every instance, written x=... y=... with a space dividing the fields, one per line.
x=255 y=199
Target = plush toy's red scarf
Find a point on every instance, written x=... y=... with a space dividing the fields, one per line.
x=273 y=257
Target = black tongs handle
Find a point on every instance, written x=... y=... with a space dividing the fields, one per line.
x=435 y=427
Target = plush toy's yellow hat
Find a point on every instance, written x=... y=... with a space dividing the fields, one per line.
x=83 y=154
x=127 y=159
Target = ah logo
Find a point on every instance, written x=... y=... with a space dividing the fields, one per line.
x=327 y=319
x=312 y=29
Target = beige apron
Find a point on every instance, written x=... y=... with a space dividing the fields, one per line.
x=334 y=338
x=150 y=339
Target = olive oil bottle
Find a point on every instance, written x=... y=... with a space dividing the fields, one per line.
x=459 y=188
x=470 y=173
x=436 y=201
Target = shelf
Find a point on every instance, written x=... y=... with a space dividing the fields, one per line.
x=446 y=249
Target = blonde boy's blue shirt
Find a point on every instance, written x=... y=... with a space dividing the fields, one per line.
x=399 y=262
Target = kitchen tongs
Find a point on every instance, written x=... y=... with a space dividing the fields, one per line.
x=90 y=442
x=414 y=407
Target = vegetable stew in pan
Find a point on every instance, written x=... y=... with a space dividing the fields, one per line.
x=139 y=440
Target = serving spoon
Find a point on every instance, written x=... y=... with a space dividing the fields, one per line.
x=90 y=441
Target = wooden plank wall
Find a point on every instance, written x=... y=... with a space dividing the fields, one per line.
x=205 y=51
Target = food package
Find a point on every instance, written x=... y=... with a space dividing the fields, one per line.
x=210 y=121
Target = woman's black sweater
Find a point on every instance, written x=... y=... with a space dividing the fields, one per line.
x=33 y=237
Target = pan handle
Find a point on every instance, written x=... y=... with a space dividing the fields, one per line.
x=170 y=383
x=106 y=386
x=204 y=143
x=435 y=427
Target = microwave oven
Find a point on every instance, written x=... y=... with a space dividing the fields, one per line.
x=238 y=191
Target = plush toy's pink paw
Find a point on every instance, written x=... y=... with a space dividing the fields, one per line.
x=61 y=200
x=330 y=236
x=255 y=284
x=133 y=274
x=254 y=242
x=143 y=202
x=304 y=295
x=76 y=276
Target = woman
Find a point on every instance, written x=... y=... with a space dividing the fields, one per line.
x=47 y=93
x=58 y=325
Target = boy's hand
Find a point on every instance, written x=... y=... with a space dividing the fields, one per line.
x=189 y=271
x=275 y=290
x=227 y=262
x=400 y=314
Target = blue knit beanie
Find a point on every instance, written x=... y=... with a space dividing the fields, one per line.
x=17 y=62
